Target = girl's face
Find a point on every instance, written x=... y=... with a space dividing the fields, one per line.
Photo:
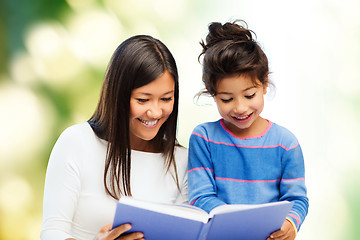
x=150 y=107
x=240 y=103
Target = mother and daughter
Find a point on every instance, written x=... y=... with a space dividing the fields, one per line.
x=129 y=148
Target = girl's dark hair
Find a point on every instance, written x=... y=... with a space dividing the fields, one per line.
x=231 y=50
x=136 y=62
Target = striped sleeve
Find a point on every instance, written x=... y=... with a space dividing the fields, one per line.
x=202 y=186
x=292 y=185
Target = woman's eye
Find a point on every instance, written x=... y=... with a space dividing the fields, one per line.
x=142 y=100
x=226 y=100
x=250 y=96
x=166 y=99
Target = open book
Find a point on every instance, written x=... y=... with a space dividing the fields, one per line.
x=184 y=222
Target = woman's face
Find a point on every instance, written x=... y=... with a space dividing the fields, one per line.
x=150 y=107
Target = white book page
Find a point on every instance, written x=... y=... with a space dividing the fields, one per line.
x=183 y=211
x=237 y=207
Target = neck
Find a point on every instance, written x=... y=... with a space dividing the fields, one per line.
x=143 y=146
x=257 y=128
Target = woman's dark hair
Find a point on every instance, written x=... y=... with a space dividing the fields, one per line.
x=231 y=50
x=136 y=62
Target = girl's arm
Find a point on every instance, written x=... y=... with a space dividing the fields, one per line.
x=292 y=185
x=202 y=185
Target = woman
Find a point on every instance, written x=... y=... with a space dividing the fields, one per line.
x=128 y=147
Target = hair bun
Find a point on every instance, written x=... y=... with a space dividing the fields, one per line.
x=228 y=32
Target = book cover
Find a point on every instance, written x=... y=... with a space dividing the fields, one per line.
x=183 y=222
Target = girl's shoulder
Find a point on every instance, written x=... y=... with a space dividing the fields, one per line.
x=208 y=127
x=281 y=130
x=283 y=135
x=210 y=132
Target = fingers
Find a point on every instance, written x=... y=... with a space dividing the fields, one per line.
x=287 y=232
x=133 y=236
x=106 y=228
x=281 y=234
x=116 y=232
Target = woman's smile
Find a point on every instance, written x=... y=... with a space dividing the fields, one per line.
x=148 y=123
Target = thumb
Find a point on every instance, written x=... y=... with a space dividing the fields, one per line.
x=116 y=232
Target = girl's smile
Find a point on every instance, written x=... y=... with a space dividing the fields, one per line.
x=242 y=119
x=240 y=103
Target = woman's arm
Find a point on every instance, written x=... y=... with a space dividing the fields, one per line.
x=182 y=165
x=62 y=187
x=106 y=233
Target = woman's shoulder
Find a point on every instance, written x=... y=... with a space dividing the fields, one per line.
x=71 y=145
x=77 y=134
x=77 y=129
x=181 y=154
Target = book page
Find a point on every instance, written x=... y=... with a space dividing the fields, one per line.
x=184 y=211
x=238 y=207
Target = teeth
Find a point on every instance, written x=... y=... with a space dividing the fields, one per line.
x=242 y=118
x=149 y=123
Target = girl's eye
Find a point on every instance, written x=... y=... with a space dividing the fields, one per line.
x=142 y=100
x=226 y=100
x=166 y=99
x=250 y=96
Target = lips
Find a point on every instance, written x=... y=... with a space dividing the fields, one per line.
x=149 y=123
x=242 y=118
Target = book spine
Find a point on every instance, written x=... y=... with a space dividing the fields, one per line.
x=204 y=230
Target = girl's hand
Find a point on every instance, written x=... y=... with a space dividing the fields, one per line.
x=106 y=233
x=287 y=232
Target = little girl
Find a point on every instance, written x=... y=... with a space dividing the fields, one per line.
x=243 y=158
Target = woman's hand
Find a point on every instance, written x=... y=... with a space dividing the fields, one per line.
x=106 y=233
x=286 y=232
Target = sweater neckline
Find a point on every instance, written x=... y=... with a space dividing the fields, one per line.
x=248 y=137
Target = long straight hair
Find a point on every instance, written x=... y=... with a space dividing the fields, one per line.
x=136 y=62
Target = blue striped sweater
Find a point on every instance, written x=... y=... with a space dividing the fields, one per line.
x=225 y=169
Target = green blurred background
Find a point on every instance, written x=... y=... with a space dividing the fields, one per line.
x=53 y=56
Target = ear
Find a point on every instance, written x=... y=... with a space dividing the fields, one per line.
x=265 y=88
x=265 y=85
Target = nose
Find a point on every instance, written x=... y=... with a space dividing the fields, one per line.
x=154 y=112
x=239 y=107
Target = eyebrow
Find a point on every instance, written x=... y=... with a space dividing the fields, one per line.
x=149 y=94
x=246 y=89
